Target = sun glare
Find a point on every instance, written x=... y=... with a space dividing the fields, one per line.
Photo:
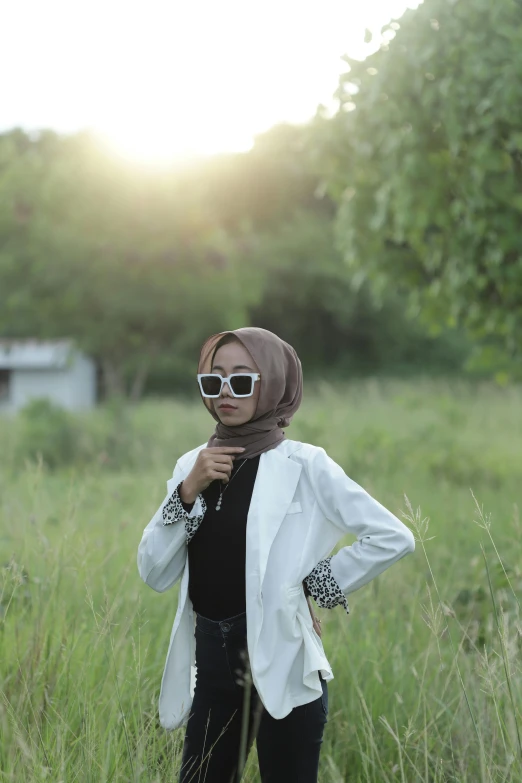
x=152 y=147
x=159 y=144
x=162 y=81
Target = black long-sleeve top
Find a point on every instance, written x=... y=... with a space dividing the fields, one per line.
x=217 y=551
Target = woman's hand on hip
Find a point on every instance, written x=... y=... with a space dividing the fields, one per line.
x=211 y=464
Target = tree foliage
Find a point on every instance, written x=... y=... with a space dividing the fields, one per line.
x=110 y=255
x=425 y=160
x=139 y=266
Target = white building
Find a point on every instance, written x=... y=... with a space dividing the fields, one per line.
x=51 y=369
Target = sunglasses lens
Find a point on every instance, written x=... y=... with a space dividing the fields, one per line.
x=211 y=385
x=241 y=384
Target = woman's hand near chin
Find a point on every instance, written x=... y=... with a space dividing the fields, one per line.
x=212 y=463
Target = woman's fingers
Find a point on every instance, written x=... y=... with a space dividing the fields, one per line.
x=214 y=463
x=226 y=449
x=222 y=459
x=224 y=470
x=222 y=476
x=222 y=467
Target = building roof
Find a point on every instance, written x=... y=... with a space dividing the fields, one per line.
x=33 y=354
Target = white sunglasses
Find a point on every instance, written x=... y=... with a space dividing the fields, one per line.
x=241 y=384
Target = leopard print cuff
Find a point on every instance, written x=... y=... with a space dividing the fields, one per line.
x=173 y=512
x=323 y=588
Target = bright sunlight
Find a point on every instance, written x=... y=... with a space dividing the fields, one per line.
x=165 y=80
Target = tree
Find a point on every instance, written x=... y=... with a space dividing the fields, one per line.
x=306 y=296
x=139 y=266
x=425 y=160
x=118 y=259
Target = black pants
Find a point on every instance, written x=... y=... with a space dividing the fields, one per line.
x=227 y=715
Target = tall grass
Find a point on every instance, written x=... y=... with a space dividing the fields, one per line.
x=427 y=666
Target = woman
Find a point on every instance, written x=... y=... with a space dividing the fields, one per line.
x=247 y=525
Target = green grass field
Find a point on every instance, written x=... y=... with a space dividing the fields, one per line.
x=427 y=666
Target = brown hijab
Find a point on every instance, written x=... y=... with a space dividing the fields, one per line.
x=279 y=397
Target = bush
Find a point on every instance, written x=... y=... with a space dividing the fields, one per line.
x=46 y=432
x=108 y=437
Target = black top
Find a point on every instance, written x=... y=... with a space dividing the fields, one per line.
x=217 y=550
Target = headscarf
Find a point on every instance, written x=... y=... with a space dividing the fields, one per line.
x=280 y=393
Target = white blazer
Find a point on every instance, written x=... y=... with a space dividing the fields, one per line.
x=302 y=504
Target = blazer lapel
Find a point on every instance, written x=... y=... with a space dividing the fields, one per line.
x=274 y=489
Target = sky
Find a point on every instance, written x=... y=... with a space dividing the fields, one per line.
x=161 y=79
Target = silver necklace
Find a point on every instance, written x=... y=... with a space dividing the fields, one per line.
x=222 y=491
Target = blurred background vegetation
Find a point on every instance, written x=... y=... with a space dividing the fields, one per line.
x=139 y=266
x=383 y=240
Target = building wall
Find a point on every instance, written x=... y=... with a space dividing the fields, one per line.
x=73 y=387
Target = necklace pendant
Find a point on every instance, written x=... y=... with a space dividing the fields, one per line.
x=222 y=491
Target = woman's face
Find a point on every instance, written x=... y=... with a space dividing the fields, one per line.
x=232 y=411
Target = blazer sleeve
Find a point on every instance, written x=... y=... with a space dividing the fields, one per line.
x=162 y=551
x=382 y=539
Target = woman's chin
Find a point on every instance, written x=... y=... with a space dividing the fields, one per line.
x=231 y=418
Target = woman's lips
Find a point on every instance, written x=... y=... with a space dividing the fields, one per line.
x=227 y=407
